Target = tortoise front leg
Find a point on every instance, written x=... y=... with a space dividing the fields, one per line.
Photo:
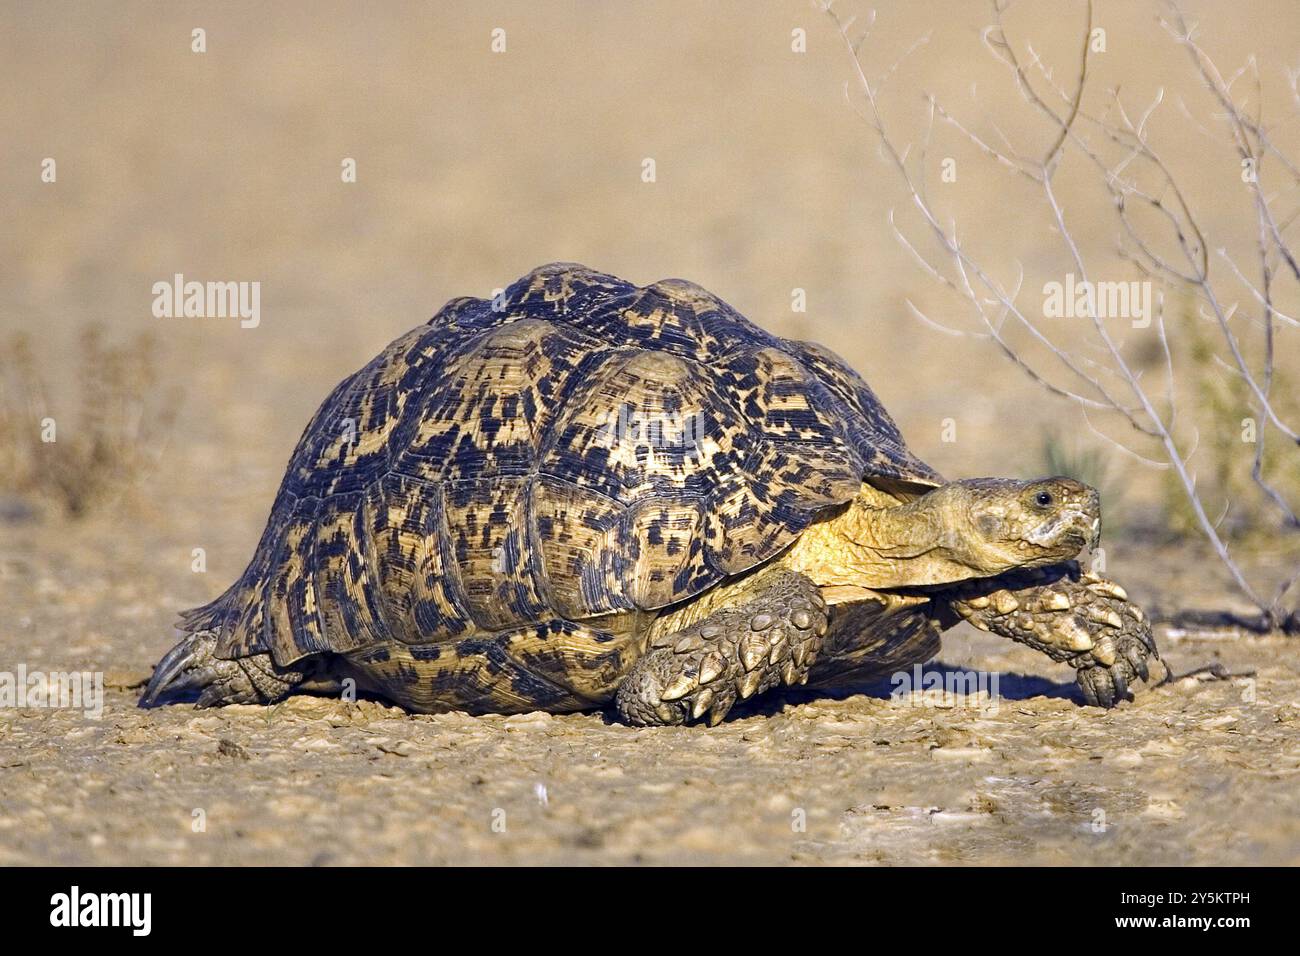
x=1070 y=616
x=737 y=651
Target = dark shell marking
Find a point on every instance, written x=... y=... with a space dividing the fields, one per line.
x=580 y=451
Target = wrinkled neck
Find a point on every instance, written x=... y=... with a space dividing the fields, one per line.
x=875 y=544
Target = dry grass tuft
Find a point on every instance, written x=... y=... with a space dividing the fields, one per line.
x=86 y=448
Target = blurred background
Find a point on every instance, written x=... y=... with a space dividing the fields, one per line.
x=474 y=165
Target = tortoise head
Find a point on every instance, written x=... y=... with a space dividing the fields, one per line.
x=976 y=528
x=991 y=525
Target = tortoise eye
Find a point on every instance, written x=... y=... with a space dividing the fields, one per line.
x=1043 y=499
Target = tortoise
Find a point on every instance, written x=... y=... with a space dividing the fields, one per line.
x=582 y=491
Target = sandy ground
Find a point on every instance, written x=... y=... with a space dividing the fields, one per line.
x=473 y=168
x=1187 y=775
x=1190 y=773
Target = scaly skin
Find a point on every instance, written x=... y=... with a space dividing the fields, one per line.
x=976 y=528
x=734 y=653
x=1071 y=616
x=192 y=664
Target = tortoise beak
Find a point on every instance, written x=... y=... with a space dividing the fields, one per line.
x=1083 y=527
x=1086 y=528
x=1094 y=508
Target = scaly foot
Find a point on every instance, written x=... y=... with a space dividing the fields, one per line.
x=735 y=652
x=1079 y=618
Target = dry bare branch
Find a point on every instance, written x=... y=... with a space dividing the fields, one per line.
x=1130 y=135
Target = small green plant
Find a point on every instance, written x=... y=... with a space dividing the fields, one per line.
x=1225 y=459
x=1088 y=465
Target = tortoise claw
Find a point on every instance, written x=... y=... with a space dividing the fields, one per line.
x=1120 y=684
x=1138 y=662
x=1106 y=686
x=1097 y=690
x=1090 y=683
x=178 y=671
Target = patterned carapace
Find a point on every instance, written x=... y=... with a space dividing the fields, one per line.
x=507 y=486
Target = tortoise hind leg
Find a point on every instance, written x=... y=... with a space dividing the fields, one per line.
x=193 y=665
x=738 y=651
